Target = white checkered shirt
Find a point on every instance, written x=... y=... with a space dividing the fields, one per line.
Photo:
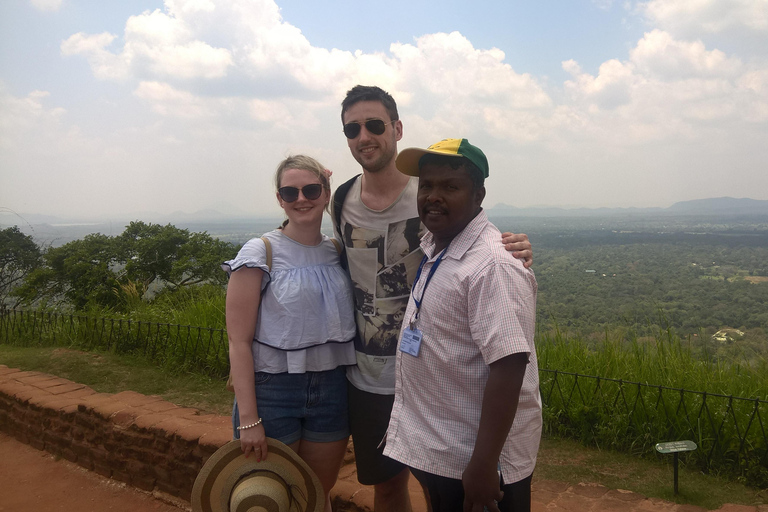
x=479 y=307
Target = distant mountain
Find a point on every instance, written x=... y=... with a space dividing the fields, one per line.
x=713 y=206
x=717 y=206
x=722 y=205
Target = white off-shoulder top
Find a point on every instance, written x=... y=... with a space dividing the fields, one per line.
x=306 y=318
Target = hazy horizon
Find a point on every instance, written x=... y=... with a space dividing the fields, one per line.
x=118 y=108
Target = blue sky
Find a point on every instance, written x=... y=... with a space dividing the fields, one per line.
x=113 y=108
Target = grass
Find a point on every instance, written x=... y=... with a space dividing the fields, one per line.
x=559 y=459
x=570 y=461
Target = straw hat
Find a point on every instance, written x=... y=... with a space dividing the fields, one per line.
x=228 y=482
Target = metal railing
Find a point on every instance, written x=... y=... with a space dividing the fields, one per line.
x=200 y=348
x=731 y=432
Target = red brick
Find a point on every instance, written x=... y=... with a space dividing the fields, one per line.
x=35 y=379
x=79 y=393
x=143 y=482
x=135 y=399
x=222 y=422
x=23 y=395
x=90 y=401
x=172 y=425
x=51 y=382
x=11 y=387
x=193 y=433
x=85 y=461
x=125 y=417
x=102 y=468
x=5 y=371
x=57 y=405
x=36 y=442
x=160 y=406
x=68 y=454
x=184 y=412
x=216 y=438
x=147 y=421
x=121 y=475
x=65 y=388
x=107 y=409
x=168 y=487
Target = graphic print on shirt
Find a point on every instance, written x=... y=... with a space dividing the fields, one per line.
x=382 y=265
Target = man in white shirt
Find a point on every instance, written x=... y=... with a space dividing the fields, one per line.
x=467 y=412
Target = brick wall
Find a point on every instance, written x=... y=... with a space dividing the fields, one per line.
x=141 y=440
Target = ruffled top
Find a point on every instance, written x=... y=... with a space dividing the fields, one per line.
x=306 y=319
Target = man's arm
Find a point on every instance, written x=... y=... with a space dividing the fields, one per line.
x=500 y=399
x=520 y=247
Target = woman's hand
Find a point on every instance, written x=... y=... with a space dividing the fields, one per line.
x=254 y=441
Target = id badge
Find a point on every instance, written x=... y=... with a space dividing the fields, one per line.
x=411 y=341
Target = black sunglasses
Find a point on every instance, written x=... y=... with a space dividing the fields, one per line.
x=290 y=194
x=375 y=126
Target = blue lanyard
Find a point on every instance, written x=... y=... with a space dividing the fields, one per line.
x=429 y=278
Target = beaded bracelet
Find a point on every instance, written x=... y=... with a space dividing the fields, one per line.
x=243 y=427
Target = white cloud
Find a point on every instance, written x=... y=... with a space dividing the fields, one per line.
x=46 y=5
x=659 y=54
x=105 y=65
x=708 y=16
x=228 y=88
x=155 y=43
x=169 y=101
x=666 y=90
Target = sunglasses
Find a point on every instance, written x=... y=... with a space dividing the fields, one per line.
x=375 y=126
x=290 y=194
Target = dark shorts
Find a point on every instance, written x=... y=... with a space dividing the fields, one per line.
x=447 y=494
x=368 y=421
x=293 y=406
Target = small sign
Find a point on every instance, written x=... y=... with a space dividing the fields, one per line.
x=676 y=446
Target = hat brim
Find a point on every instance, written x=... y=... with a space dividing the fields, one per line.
x=407 y=160
x=228 y=466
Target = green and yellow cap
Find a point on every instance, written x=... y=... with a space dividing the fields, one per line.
x=408 y=160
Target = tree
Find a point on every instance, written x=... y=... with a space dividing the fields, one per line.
x=19 y=256
x=171 y=255
x=82 y=271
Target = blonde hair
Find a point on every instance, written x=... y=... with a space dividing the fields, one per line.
x=304 y=163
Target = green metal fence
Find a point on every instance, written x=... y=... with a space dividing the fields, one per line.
x=200 y=348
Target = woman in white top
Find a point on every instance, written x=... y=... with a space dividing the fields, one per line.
x=291 y=329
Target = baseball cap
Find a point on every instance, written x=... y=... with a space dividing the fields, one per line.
x=408 y=160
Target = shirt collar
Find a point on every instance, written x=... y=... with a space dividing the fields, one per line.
x=461 y=243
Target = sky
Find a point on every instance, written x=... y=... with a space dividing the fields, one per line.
x=113 y=108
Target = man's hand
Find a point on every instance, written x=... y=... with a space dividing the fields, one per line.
x=481 y=487
x=520 y=247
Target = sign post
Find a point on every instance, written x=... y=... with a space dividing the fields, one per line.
x=676 y=447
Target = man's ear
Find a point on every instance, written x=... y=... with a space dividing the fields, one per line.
x=479 y=196
x=398 y=126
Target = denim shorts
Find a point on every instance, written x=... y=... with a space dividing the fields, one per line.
x=308 y=406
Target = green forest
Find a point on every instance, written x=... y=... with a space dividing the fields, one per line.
x=629 y=275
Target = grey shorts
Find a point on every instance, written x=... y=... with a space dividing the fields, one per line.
x=368 y=421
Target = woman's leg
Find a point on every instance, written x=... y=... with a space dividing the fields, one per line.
x=325 y=460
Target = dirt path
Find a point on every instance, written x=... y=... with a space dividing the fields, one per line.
x=32 y=480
